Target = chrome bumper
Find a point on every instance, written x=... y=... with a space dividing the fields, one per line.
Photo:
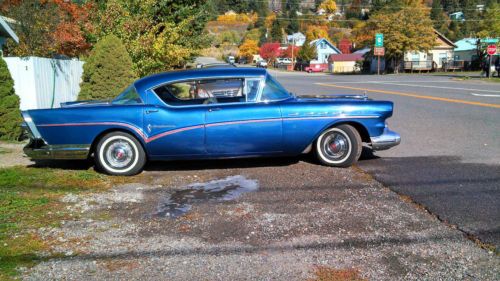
x=74 y=151
x=385 y=141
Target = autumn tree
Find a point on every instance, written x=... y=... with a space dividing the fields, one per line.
x=289 y=51
x=107 y=71
x=317 y=32
x=50 y=27
x=329 y=6
x=270 y=51
x=159 y=35
x=248 y=49
x=9 y=106
x=408 y=29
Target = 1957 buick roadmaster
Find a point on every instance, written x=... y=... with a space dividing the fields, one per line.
x=208 y=113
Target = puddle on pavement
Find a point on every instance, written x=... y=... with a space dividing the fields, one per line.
x=180 y=202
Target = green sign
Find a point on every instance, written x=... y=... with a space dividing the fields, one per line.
x=489 y=40
x=379 y=40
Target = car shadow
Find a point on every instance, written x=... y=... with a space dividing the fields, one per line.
x=211 y=164
x=206 y=164
x=63 y=164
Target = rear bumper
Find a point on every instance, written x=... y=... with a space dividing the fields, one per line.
x=385 y=141
x=37 y=150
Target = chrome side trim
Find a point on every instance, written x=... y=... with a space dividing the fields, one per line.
x=385 y=141
x=31 y=125
x=73 y=151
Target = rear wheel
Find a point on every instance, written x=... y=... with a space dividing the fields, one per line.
x=120 y=154
x=339 y=146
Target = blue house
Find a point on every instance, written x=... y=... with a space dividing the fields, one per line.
x=6 y=32
x=324 y=49
x=466 y=49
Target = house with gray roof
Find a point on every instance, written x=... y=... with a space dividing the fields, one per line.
x=6 y=32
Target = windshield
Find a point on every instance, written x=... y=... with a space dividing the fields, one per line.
x=129 y=96
x=273 y=90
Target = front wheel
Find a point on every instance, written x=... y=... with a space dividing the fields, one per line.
x=339 y=146
x=120 y=154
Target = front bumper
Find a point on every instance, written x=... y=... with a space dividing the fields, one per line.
x=385 y=141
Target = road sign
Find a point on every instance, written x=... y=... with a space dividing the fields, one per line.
x=489 y=40
x=379 y=51
x=379 y=40
x=492 y=49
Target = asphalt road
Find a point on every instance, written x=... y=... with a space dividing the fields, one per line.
x=449 y=158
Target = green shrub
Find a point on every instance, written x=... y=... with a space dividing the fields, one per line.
x=107 y=71
x=10 y=115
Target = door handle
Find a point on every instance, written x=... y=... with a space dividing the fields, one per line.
x=214 y=109
x=151 y=111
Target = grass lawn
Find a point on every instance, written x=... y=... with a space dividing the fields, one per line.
x=29 y=200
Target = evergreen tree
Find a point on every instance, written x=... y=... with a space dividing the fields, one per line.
x=276 y=33
x=307 y=52
x=450 y=6
x=490 y=25
x=471 y=25
x=437 y=13
x=9 y=106
x=107 y=71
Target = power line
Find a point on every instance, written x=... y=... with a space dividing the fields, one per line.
x=391 y=7
x=356 y=20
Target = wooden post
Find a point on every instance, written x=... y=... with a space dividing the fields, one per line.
x=378 y=65
x=489 y=67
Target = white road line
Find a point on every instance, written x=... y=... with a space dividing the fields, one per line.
x=485 y=95
x=438 y=87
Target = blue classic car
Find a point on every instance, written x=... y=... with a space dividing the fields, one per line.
x=208 y=113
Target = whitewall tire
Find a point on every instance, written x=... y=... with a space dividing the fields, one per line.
x=339 y=146
x=120 y=154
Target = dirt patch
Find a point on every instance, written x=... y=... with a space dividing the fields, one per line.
x=11 y=154
x=304 y=221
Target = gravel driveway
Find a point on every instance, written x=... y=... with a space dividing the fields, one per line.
x=269 y=219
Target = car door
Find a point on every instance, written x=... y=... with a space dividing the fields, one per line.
x=175 y=130
x=244 y=127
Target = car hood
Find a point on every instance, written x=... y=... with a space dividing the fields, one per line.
x=327 y=98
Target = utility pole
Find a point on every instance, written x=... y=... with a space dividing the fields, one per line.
x=293 y=45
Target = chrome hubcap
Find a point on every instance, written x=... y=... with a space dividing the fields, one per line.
x=119 y=154
x=335 y=145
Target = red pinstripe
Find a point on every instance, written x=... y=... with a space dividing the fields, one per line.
x=171 y=132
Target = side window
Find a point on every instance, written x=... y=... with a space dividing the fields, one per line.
x=197 y=92
x=252 y=89
x=273 y=91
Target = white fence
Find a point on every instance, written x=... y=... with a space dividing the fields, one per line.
x=43 y=82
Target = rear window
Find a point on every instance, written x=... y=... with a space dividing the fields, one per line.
x=129 y=96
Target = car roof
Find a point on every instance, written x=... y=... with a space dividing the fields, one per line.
x=196 y=73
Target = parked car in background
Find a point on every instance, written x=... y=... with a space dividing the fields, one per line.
x=208 y=113
x=242 y=60
x=283 y=61
x=262 y=63
x=316 y=68
x=216 y=65
x=231 y=60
